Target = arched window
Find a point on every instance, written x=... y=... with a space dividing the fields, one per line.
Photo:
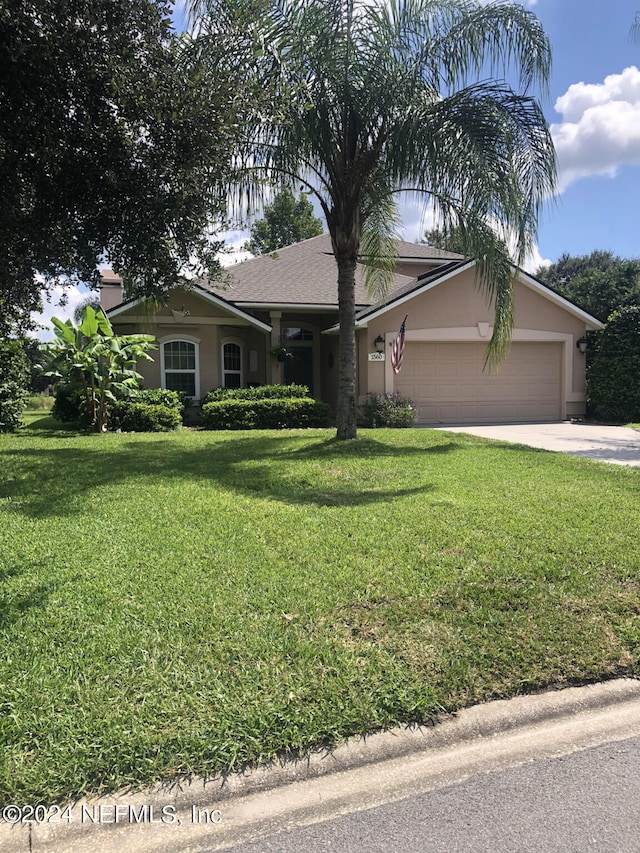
x=179 y=366
x=231 y=365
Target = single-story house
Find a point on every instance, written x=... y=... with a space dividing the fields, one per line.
x=211 y=335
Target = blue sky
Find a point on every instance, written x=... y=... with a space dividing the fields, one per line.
x=593 y=108
x=594 y=113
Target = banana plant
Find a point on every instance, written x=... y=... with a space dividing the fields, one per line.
x=92 y=357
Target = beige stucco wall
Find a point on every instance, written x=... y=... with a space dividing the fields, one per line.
x=207 y=325
x=456 y=310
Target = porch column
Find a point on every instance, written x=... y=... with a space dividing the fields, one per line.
x=275 y=369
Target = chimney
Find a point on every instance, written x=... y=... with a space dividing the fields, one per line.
x=110 y=289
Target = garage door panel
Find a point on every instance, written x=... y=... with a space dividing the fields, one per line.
x=447 y=383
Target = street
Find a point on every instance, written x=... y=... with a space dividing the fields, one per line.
x=586 y=801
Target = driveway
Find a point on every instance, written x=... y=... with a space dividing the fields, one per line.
x=620 y=445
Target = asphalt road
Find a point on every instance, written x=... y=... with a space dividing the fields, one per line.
x=586 y=801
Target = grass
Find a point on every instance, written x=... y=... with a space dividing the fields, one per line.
x=189 y=603
x=39 y=403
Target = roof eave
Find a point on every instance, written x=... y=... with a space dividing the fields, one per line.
x=374 y=313
x=592 y=323
x=218 y=301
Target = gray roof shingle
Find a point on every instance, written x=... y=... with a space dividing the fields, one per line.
x=306 y=274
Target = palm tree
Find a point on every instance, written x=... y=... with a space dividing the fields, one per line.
x=359 y=100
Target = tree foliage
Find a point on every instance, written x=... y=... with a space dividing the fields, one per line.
x=599 y=283
x=451 y=242
x=286 y=221
x=14 y=381
x=96 y=361
x=613 y=378
x=113 y=136
x=360 y=99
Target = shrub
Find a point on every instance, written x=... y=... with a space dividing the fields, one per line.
x=163 y=397
x=14 y=381
x=136 y=416
x=152 y=410
x=70 y=405
x=265 y=414
x=262 y=392
x=613 y=377
x=388 y=410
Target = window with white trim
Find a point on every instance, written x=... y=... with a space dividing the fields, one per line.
x=180 y=367
x=231 y=365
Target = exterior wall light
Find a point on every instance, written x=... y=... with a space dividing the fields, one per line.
x=582 y=344
x=379 y=343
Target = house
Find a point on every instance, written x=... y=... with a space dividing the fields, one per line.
x=211 y=335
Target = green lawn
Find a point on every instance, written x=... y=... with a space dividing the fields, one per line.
x=190 y=602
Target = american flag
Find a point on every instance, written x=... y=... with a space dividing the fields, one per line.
x=397 y=351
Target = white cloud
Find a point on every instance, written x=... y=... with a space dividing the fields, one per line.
x=600 y=131
x=416 y=219
x=234 y=242
x=51 y=307
x=535 y=260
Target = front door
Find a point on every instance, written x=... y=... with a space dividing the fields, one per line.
x=299 y=369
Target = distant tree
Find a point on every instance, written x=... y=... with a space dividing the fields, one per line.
x=600 y=282
x=449 y=241
x=113 y=134
x=92 y=301
x=285 y=221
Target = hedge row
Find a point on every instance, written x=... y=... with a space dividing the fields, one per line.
x=262 y=392
x=267 y=413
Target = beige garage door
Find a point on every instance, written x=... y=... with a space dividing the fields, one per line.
x=448 y=385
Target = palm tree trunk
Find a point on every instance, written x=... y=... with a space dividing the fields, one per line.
x=346 y=408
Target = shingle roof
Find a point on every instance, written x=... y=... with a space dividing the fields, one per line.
x=406 y=288
x=306 y=274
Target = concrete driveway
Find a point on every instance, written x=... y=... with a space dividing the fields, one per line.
x=620 y=445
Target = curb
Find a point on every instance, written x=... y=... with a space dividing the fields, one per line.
x=214 y=814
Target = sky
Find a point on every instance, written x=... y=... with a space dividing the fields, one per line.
x=593 y=109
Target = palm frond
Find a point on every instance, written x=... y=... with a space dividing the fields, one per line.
x=378 y=248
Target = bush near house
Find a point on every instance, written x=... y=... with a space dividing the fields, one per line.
x=262 y=392
x=268 y=413
x=388 y=410
x=69 y=405
x=613 y=377
x=264 y=407
x=152 y=410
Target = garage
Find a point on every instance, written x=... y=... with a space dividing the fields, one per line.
x=448 y=385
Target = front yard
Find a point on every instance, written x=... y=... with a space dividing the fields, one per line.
x=187 y=603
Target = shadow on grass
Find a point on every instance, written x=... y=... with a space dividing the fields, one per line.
x=46 y=426
x=41 y=482
x=13 y=607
